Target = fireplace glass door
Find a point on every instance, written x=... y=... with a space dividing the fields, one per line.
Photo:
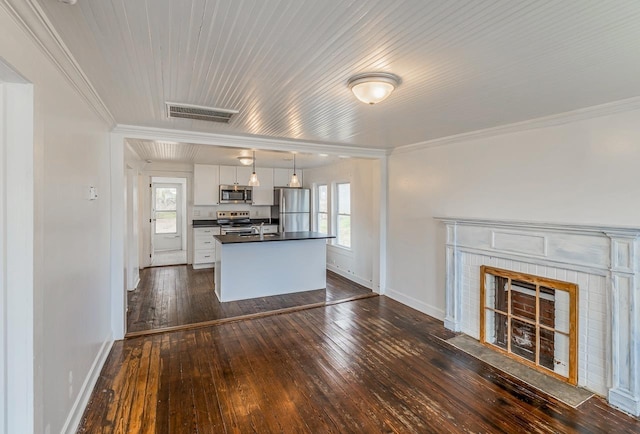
x=531 y=319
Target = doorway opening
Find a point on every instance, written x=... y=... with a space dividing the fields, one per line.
x=168 y=221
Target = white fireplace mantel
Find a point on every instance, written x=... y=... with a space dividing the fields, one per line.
x=603 y=260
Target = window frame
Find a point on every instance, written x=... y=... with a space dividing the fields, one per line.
x=327 y=212
x=337 y=214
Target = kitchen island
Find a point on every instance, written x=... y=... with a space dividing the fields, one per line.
x=251 y=266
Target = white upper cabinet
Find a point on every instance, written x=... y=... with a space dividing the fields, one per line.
x=243 y=173
x=227 y=175
x=281 y=177
x=235 y=175
x=206 y=183
x=263 y=195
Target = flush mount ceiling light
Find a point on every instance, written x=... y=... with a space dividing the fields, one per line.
x=295 y=182
x=245 y=161
x=373 y=87
x=253 y=179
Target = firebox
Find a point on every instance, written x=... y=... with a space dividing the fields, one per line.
x=532 y=319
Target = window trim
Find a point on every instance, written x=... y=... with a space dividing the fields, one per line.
x=337 y=214
x=317 y=211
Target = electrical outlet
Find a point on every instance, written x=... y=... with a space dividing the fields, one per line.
x=93 y=193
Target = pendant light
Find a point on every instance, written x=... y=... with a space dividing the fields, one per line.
x=253 y=179
x=295 y=182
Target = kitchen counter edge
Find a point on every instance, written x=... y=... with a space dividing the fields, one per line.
x=286 y=236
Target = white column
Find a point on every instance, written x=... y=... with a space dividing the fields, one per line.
x=17 y=274
x=118 y=223
x=453 y=295
x=625 y=323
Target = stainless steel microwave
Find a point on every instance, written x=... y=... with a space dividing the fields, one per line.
x=236 y=194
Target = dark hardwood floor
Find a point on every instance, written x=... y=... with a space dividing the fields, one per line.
x=366 y=366
x=179 y=295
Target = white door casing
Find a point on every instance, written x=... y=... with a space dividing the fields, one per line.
x=17 y=332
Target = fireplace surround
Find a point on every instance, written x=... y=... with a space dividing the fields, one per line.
x=602 y=261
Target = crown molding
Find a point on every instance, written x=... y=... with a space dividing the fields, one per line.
x=236 y=141
x=29 y=15
x=604 y=230
x=542 y=122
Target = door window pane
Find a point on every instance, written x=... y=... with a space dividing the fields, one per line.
x=166 y=198
x=166 y=222
x=165 y=210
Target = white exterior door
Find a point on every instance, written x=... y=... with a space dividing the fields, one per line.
x=166 y=203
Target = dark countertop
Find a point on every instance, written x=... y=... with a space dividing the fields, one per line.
x=281 y=236
x=214 y=223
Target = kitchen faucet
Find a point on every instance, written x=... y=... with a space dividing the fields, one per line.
x=259 y=230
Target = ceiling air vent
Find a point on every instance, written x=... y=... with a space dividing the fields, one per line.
x=188 y=111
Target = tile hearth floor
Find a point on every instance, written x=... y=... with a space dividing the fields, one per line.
x=570 y=395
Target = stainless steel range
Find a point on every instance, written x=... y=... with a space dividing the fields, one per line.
x=234 y=222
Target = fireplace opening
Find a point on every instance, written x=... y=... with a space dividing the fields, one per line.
x=532 y=319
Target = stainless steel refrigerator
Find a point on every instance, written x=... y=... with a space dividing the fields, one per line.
x=292 y=207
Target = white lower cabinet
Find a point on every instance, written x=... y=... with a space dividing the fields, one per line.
x=270 y=229
x=204 y=247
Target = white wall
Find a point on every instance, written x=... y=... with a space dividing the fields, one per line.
x=580 y=172
x=361 y=262
x=71 y=235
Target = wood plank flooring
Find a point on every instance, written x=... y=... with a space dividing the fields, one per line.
x=174 y=296
x=366 y=366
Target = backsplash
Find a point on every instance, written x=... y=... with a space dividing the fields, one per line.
x=207 y=212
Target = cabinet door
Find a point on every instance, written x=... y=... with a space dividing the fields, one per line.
x=205 y=184
x=227 y=175
x=242 y=174
x=270 y=229
x=263 y=195
x=281 y=177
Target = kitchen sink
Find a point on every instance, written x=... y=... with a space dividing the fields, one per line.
x=258 y=235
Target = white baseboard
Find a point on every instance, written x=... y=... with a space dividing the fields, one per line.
x=75 y=415
x=416 y=304
x=353 y=277
x=201 y=266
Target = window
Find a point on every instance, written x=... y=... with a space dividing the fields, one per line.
x=344 y=215
x=165 y=209
x=322 y=216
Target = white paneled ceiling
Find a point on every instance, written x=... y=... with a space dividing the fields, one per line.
x=158 y=151
x=284 y=64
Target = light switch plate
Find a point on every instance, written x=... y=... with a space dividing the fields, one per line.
x=93 y=193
